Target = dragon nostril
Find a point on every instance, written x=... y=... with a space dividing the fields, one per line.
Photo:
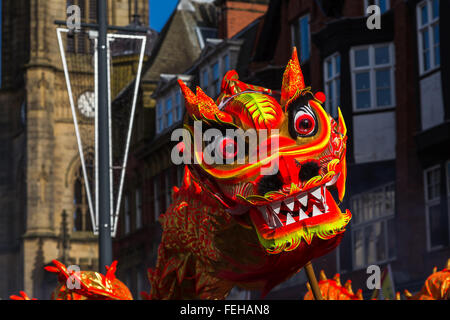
x=269 y=183
x=308 y=170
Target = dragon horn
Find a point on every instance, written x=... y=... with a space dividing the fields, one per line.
x=209 y=109
x=337 y=278
x=322 y=275
x=200 y=105
x=348 y=286
x=408 y=294
x=190 y=99
x=448 y=264
x=111 y=271
x=359 y=294
x=293 y=81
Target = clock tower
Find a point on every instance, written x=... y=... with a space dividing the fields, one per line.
x=42 y=176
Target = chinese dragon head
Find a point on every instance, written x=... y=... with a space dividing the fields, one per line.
x=265 y=202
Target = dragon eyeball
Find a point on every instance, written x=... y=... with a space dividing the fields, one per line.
x=304 y=123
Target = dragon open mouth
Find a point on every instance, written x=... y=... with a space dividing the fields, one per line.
x=282 y=224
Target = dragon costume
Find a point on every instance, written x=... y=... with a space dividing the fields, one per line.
x=260 y=211
x=263 y=208
x=252 y=223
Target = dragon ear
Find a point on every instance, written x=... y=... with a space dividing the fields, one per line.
x=293 y=82
x=201 y=106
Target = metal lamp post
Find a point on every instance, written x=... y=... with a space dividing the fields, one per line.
x=105 y=243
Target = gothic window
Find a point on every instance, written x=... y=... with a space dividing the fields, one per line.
x=81 y=214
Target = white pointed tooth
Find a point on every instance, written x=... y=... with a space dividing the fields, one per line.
x=264 y=213
x=317 y=193
x=303 y=199
x=276 y=207
x=289 y=203
x=316 y=211
x=289 y=219
x=302 y=215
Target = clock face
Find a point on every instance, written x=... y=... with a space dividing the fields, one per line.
x=86 y=104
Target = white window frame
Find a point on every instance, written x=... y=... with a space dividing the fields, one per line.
x=332 y=110
x=223 y=67
x=432 y=202
x=160 y=104
x=357 y=226
x=377 y=3
x=372 y=68
x=168 y=98
x=429 y=27
x=298 y=42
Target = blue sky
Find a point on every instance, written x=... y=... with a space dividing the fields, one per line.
x=160 y=11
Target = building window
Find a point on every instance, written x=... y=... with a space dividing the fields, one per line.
x=428 y=35
x=225 y=64
x=178 y=105
x=204 y=33
x=169 y=112
x=332 y=85
x=436 y=216
x=373 y=231
x=138 y=208
x=215 y=79
x=301 y=37
x=372 y=76
x=383 y=4
x=81 y=215
x=159 y=116
x=204 y=79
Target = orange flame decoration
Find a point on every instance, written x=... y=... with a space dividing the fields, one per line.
x=293 y=83
x=436 y=287
x=200 y=106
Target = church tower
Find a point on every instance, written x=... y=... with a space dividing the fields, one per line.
x=40 y=167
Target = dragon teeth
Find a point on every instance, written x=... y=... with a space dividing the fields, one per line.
x=289 y=203
x=317 y=193
x=302 y=215
x=289 y=219
x=276 y=207
x=316 y=212
x=303 y=199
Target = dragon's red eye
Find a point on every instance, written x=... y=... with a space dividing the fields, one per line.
x=228 y=148
x=304 y=123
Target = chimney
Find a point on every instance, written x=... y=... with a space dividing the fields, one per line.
x=236 y=15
